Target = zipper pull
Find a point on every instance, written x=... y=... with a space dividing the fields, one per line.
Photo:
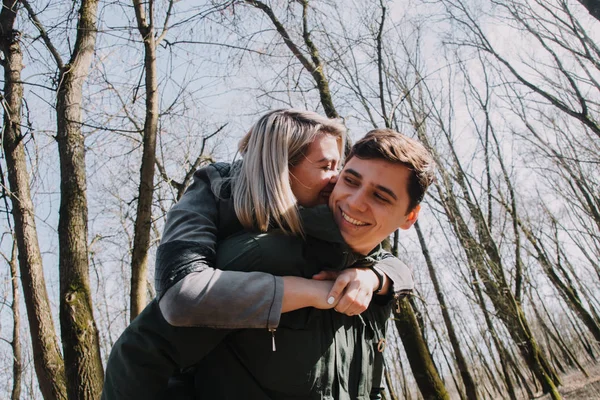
x=272 y=330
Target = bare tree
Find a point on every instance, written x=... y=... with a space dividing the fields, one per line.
x=15 y=342
x=315 y=65
x=465 y=373
x=48 y=360
x=143 y=222
x=419 y=356
x=79 y=334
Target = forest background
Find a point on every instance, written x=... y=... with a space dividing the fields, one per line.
x=110 y=106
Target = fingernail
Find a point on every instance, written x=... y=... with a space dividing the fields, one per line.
x=330 y=300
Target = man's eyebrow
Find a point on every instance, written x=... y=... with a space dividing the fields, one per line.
x=387 y=190
x=379 y=187
x=353 y=172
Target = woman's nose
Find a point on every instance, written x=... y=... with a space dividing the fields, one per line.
x=334 y=178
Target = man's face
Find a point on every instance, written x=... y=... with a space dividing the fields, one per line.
x=370 y=201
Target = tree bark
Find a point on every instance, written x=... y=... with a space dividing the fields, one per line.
x=463 y=368
x=427 y=377
x=143 y=221
x=78 y=328
x=16 y=337
x=563 y=284
x=47 y=359
x=503 y=355
x=483 y=256
x=314 y=67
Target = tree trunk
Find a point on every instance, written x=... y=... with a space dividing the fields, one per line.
x=390 y=385
x=498 y=344
x=314 y=67
x=563 y=284
x=16 y=337
x=78 y=328
x=143 y=221
x=463 y=368
x=483 y=257
x=47 y=360
x=427 y=377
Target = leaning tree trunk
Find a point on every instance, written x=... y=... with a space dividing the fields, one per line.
x=410 y=331
x=78 y=328
x=502 y=354
x=143 y=221
x=508 y=309
x=427 y=377
x=47 y=359
x=470 y=388
x=314 y=66
x=562 y=283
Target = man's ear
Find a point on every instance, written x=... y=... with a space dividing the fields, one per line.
x=411 y=218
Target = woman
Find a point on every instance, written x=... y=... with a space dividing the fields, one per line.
x=264 y=196
x=288 y=154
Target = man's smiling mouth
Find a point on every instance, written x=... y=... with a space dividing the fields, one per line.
x=352 y=220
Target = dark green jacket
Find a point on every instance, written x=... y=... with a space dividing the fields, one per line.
x=150 y=350
x=320 y=354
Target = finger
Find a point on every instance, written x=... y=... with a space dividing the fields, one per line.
x=360 y=302
x=336 y=291
x=326 y=275
x=346 y=304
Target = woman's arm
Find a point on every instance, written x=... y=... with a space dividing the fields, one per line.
x=190 y=290
x=193 y=293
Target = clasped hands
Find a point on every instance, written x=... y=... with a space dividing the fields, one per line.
x=351 y=291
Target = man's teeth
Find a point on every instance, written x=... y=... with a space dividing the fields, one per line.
x=352 y=220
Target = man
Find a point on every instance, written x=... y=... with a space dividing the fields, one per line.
x=333 y=354
x=324 y=354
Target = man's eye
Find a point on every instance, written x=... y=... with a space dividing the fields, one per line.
x=350 y=181
x=382 y=198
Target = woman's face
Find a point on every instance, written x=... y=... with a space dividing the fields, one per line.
x=313 y=178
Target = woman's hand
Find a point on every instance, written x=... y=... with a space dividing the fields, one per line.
x=301 y=292
x=352 y=290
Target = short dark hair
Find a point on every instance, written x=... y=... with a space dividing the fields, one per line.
x=389 y=145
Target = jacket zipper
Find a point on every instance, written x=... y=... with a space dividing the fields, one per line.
x=272 y=330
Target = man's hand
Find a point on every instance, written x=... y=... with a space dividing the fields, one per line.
x=352 y=290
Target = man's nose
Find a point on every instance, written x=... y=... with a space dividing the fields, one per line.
x=357 y=201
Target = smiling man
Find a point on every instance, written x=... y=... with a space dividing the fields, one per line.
x=380 y=189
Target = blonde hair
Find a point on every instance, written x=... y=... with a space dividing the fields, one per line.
x=261 y=189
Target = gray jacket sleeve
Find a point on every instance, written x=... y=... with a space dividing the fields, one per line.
x=398 y=272
x=190 y=291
